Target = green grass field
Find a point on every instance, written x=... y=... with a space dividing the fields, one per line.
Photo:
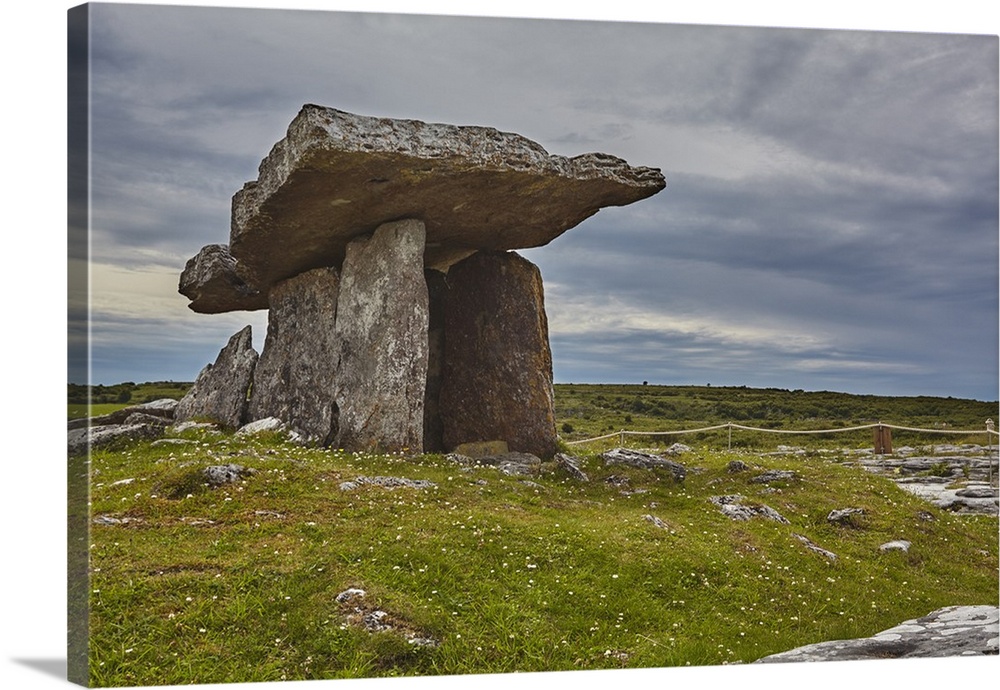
x=239 y=583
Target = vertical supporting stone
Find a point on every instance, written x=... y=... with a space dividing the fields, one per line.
x=294 y=376
x=220 y=391
x=433 y=428
x=382 y=322
x=497 y=374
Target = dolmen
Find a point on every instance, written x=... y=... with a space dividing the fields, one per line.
x=399 y=317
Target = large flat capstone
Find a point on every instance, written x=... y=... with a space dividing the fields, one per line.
x=336 y=176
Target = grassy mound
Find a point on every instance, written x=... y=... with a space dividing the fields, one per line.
x=493 y=573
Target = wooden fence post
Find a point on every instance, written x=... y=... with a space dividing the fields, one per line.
x=883 y=440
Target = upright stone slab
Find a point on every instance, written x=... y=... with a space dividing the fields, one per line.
x=497 y=372
x=382 y=321
x=294 y=376
x=220 y=391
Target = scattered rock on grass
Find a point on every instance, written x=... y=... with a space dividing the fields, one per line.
x=817 y=549
x=844 y=516
x=732 y=507
x=773 y=476
x=572 y=465
x=897 y=545
x=386 y=482
x=642 y=460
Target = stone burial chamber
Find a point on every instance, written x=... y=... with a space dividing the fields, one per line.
x=399 y=317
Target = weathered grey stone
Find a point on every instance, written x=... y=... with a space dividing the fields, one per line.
x=497 y=375
x=950 y=631
x=163 y=408
x=657 y=522
x=815 y=548
x=336 y=176
x=381 y=329
x=572 y=465
x=220 y=391
x=773 y=476
x=211 y=281
x=647 y=461
x=844 y=516
x=217 y=475
x=142 y=418
x=897 y=545
x=293 y=380
x=732 y=507
x=387 y=483
x=78 y=441
x=259 y=426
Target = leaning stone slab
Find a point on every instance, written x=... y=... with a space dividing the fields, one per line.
x=497 y=369
x=220 y=391
x=211 y=281
x=293 y=380
x=336 y=176
x=950 y=631
x=381 y=334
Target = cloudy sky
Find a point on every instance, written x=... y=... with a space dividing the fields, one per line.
x=829 y=221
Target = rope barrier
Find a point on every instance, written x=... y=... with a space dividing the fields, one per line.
x=730 y=425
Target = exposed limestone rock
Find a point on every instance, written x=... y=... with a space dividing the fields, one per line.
x=387 y=483
x=259 y=426
x=844 y=516
x=497 y=377
x=336 y=176
x=79 y=440
x=897 y=545
x=572 y=465
x=381 y=329
x=815 y=548
x=647 y=461
x=732 y=507
x=211 y=281
x=163 y=408
x=293 y=380
x=951 y=631
x=217 y=475
x=773 y=476
x=220 y=391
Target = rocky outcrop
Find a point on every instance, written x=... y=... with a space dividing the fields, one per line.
x=642 y=460
x=732 y=506
x=294 y=377
x=497 y=372
x=382 y=323
x=210 y=280
x=221 y=389
x=951 y=631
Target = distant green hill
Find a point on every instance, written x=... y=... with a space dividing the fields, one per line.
x=585 y=410
x=588 y=410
